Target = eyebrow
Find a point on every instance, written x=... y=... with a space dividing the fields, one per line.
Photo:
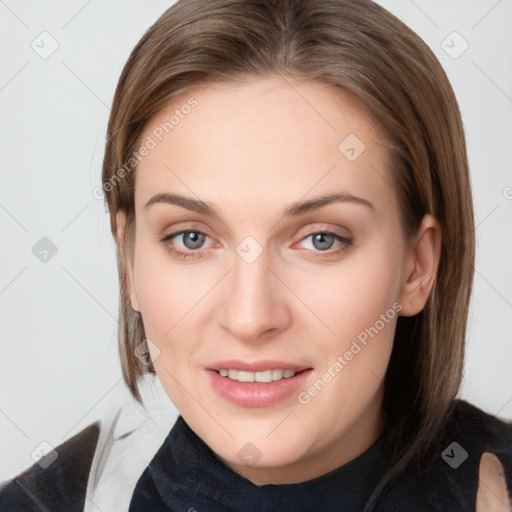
x=294 y=210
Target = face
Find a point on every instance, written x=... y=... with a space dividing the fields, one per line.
x=267 y=285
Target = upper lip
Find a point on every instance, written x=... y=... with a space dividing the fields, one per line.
x=256 y=366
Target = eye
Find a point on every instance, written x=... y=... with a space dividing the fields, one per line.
x=322 y=241
x=192 y=240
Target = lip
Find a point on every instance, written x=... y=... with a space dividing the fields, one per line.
x=256 y=366
x=258 y=394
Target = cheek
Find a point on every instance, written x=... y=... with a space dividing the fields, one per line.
x=165 y=289
x=167 y=297
x=164 y=293
x=175 y=300
x=361 y=312
x=352 y=296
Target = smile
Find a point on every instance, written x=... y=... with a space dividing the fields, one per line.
x=261 y=388
x=262 y=376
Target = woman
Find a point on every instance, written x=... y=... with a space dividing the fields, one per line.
x=288 y=189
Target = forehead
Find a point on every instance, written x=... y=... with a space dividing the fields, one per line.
x=261 y=138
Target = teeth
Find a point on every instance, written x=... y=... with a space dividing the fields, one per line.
x=245 y=376
x=277 y=374
x=264 y=376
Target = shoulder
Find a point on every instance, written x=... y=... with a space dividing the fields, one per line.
x=98 y=468
x=493 y=438
x=51 y=483
x=492 y=494
x=469 y=460
x=484 y=433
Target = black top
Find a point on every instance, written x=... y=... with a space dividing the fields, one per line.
x=185 y=475
x=57 y=486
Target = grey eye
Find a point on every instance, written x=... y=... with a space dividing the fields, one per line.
x=322 y=241
x=192 y=239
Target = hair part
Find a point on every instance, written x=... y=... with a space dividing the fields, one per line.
x=359 y=48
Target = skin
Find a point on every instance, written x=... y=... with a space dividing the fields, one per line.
x=492 y=494
x=251 y=149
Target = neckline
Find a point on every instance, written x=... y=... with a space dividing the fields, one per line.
x=186 y=468
x=375 y=449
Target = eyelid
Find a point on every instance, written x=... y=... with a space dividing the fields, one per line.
x=329 y=228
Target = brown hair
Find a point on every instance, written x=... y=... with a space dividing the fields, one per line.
x=360 y=48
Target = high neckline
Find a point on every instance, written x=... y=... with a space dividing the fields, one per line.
x=186 y=471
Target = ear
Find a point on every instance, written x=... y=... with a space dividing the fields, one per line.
x=421 y=265
x=127 y=262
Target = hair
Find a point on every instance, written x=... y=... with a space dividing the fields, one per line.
x=361 y=49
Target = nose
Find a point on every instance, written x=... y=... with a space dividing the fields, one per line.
x=254 y=306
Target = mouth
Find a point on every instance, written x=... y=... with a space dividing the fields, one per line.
x=269 y=375
x=255 y=366
x=257 y=384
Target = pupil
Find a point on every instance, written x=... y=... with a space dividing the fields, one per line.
x=320 y=237
x=194 y=238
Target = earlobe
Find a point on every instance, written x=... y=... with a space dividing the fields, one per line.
x=421 y=267
x=135 y=302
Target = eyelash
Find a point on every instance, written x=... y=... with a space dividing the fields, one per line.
x=193 y=254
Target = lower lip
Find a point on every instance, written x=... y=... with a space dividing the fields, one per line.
x=257 y=394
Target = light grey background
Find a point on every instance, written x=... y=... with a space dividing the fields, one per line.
x=59 y=369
